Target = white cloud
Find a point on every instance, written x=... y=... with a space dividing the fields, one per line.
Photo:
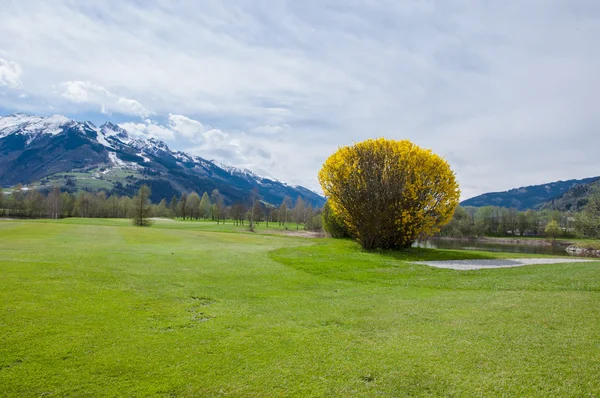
x=87 y=92
x=185 y=126
x=236 y=149
x=83 y=91
x=10 y=74
x=271 y=130
x=148 y=129
x=499 y=90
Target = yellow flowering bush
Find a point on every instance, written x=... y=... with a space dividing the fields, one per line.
x=389 y=193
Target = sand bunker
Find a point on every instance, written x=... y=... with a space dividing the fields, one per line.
x=466 y=265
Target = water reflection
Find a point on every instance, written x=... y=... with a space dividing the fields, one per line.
x=467 y=244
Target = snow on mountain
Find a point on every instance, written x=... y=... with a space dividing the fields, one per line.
x=32 y=125
x=102 y=138
x=115 y=160
x=44 y=146
x=110 y=136
x=242 y=172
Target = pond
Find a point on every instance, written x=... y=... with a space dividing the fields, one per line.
x=468 y=244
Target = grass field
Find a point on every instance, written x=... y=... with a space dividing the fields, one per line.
x=100 y=308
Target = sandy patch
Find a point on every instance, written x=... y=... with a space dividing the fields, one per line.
x=466 y=265
x=289 y=232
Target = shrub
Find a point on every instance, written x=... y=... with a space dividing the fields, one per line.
x=389 y=193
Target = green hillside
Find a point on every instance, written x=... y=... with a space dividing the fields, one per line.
x=574 y=199
x=530 y=197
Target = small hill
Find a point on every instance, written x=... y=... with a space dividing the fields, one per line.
x=574 y=199
x=530 y=197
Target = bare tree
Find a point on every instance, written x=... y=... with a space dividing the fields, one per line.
x=268 y=213
x=183 y=205
x=217 y=199
x=253 y=200
x=238 y=211
x=283 y=211
x=298 y=212
x=54 y=202
x=141 y=208
x=173 y=206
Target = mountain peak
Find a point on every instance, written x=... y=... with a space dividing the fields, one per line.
x=49 y=150
x=29 y=124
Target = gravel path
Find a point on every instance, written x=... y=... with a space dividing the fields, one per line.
x=466 y=265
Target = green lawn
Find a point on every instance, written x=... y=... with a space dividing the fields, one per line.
x=100 y=308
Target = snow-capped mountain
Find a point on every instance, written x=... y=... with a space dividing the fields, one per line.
x=57 y=150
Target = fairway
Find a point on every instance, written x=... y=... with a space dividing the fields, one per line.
x=101 y=308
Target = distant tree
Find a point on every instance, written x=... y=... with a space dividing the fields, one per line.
x=54 y=203
x=141 y=208
x=308 y=214
x=205 y=206
x=82 y=204
x=283 y=211
x=161 y=209
x=193 y=205
x=112 y=206
x=17 y=201
x=254 y=198
x=183 y=205
x=225 y=211
x=509 y=220
x=67 y=201
x=314 y=222
x=484 y=220
x=173 y=206
x=217 y=200
x=587 y=221
x=298 y=212
x=268 y=210
x=523 y=223
x=237 y=213
x=461 y=225
x=533 y=218
x=99 y=204
x=34 y=204
x=1 y=201
x=553 y=229
x=126 y=206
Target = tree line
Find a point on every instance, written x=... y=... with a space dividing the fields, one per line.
x=468 y=222
x=55 y=203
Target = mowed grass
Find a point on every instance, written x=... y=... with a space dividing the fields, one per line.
x=100 y=308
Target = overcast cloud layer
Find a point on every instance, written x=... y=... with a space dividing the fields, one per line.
x=506 y=91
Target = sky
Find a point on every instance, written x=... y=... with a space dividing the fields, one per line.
x=506 y=91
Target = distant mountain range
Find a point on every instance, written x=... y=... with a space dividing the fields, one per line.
x=49 y=151
x=560 y=195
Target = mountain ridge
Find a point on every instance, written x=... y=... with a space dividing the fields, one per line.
x=37 y=149
x=528 y=197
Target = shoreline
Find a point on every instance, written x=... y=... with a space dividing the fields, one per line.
x=512 y=241
x=573 y=248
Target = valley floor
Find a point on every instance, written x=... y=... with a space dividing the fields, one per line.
x=100 y=308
